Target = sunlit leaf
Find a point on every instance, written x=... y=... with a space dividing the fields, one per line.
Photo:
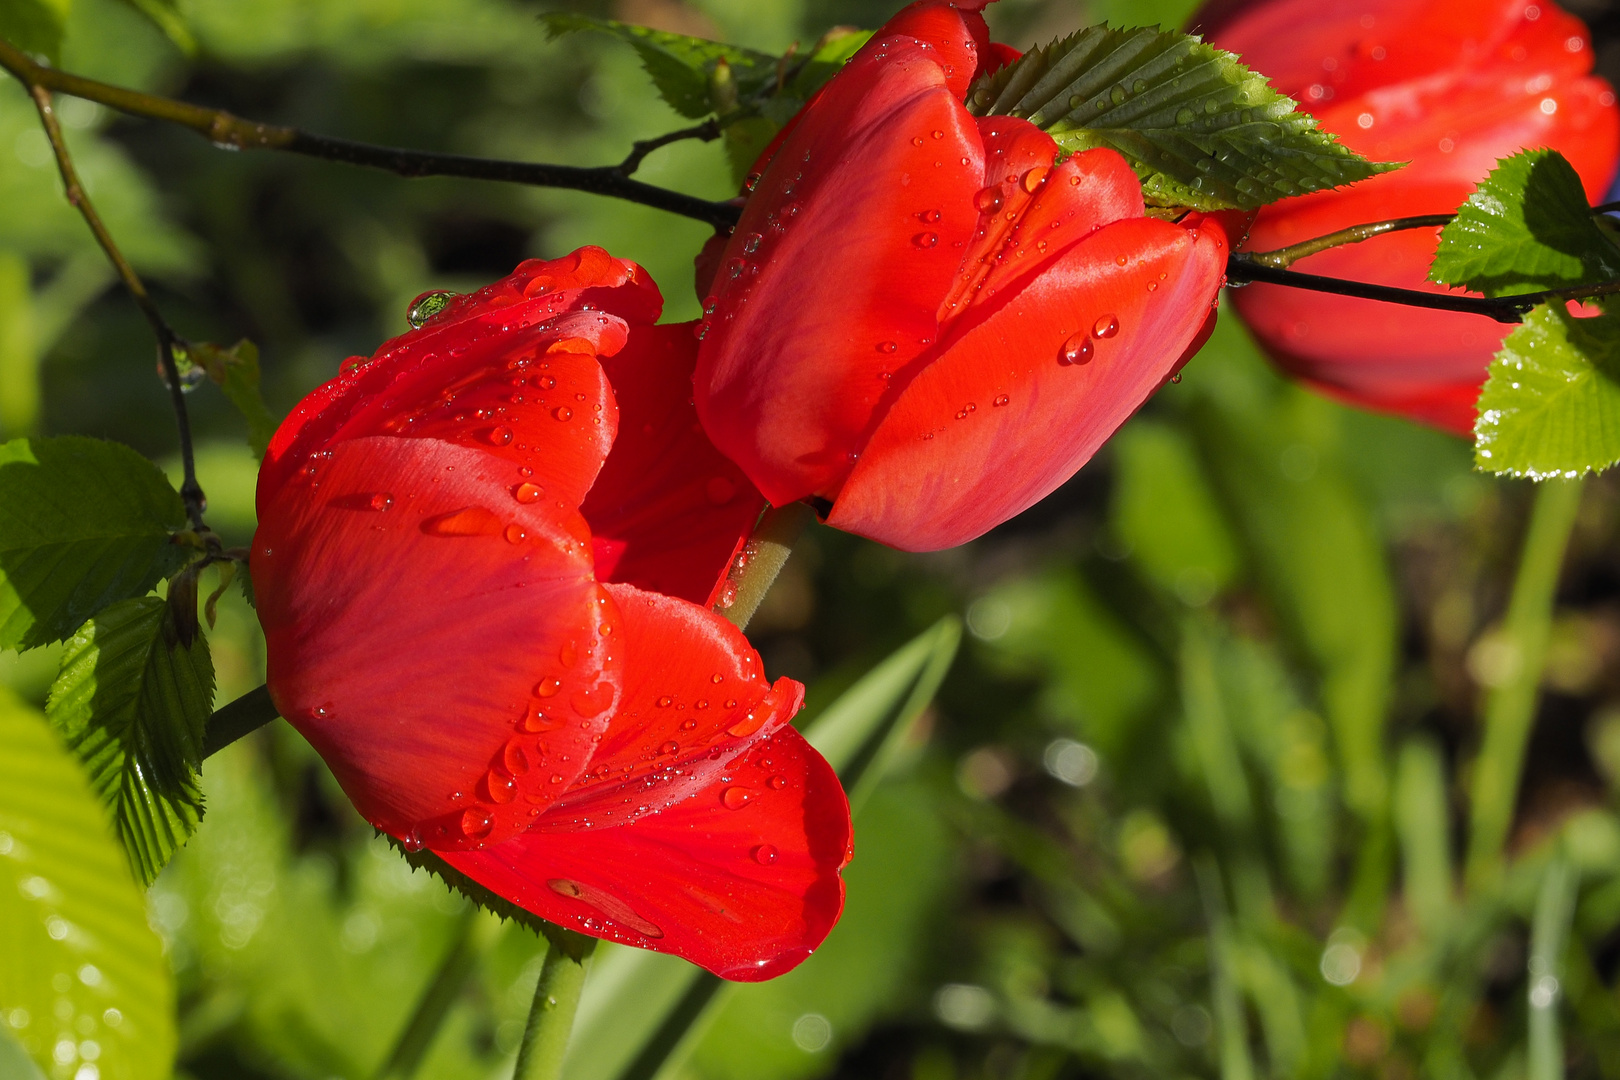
x=1551 y=405
x=236 y=372
x=1200 y=129
x=83 y=523
x=132 y=702
x=1526 y=227
x=82 y=977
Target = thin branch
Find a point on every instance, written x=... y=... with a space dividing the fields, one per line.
x=191 y=492
x=231 y=132
x=1283 y=258
x=708 y=131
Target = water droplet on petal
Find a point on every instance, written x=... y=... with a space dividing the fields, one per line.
x=498 y=436
x=563 y=412
x=1033 y=179
x=735 y=798
x=728 y=595
x=468 y=521
x=527 y=493
x=988 y=200
x=764 y=854
x=502 y=788
x=665 y=702
x=778 y=782
x=477 y=823
x=751 y=242
x=514 y=534
x=1002 y=400
x=411 y=841
x=424 y=307
x=1106 y=326
x=928 y=217
x=548 y=686
x=670 y=748
x=1077 y=350
x=515 y=758
x=546 y=382
x=925 y=239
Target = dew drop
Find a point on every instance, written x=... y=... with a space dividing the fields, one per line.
x=1121 y=260
x=717 y=678
x=546 y=382
x=568 y=655
x=751 y=242
x=988 y=200
x=502 y=788
x=670 y=748
x=778 y=782
x=563 y=412
x=1185 y=116
x=527 y=493
x=1105 y=327
x=925 y=239
x=498 y=436
x=735 y=798
x=468 y=521
x=515 y=758
x=426 y=306
x=411 y=841
x=1001 y=400
x=477 y=823
x=928 y=217
x=887 y=346
x=665 y=702
x=548 y=686
x=728 y=595
x=1033 y=179
x=514 y=534
x=764 y=854
x=1077 y=350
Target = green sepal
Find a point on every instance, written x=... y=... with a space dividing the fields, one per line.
x=1201 y=130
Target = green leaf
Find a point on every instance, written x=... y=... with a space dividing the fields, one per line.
x=132 y=702
x=1526 y=227
x=35 y=25
x=1200 y=129
x=78 y=962
x=236 y=371
x=1551 y=404
x=83 y=523
x=681 y=67
x=165 y=14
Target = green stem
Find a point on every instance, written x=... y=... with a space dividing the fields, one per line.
x=556 y=999
x=1510 y=706
x=472 y=934
x=1283 y=258
x=761 y=559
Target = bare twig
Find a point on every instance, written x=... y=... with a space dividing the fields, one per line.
x=1283 y=258
x=191 y=492
x=225 y=130
x=708 y=131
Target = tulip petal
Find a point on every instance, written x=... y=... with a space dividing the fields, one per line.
x=741 y=878
x=405 y=563
x=999 y=420
x=694 y=700
x=674 y=506
x=833 y=277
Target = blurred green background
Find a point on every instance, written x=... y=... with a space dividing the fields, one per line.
x=1191 y=803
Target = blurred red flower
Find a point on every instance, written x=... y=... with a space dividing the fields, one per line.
x=922 y=321
x=483 y=566
x=1450 y=86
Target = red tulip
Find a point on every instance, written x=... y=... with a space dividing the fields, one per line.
x=925 y=322
x=483 y=563
x=1450 y=86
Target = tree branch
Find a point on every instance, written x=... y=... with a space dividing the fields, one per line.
x=708 y=131
x=191 y=492
x=1283 y=258
x=231 y=132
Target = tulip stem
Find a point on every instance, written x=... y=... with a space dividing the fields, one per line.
x=556 y=999
x=473 y=933
x=191 y=493
x=761 y=559
x=234 y=133
x=1510 y=703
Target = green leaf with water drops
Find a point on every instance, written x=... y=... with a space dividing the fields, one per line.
x=83 y=523
x=236 y=372
x=1201 y=130
x=82 y=975
x=682 y=68
x=1526 y=227
x=132 y=701
x=1551 y=404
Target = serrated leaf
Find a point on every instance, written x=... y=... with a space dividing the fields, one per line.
x=35 y=25
x=83 y=523
x=1526 y=227
x=132 y=702
x=1201 y=130
x=1551 y=404
x=78 y=962
x=236 y=372
x=681 y=67
x=165 y=15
